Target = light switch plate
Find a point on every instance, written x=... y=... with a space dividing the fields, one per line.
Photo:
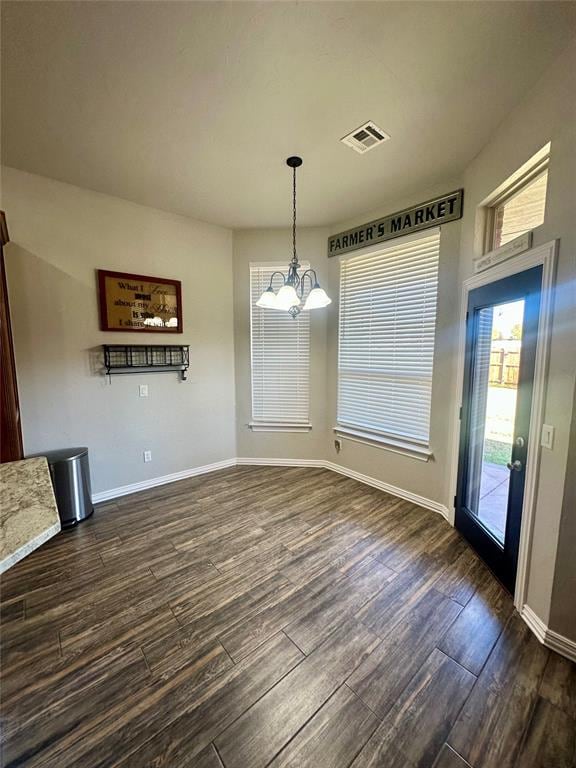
x=547 y=437
x=143 y=390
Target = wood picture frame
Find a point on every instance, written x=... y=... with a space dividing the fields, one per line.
x=131 y=303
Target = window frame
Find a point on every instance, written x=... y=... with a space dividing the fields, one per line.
x=417 y=449
x=532 y=170
x=274 y=425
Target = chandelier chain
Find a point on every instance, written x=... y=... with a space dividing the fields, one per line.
x=291 y=294
x=294 y=257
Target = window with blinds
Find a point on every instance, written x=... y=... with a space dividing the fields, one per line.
x=280 y=349
x=386 y=340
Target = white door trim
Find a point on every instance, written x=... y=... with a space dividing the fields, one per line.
x=545 y=256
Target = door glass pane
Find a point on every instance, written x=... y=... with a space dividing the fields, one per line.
x=493 y=410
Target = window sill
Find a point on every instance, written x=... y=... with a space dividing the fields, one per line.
x=420 y=453
x=276 y=427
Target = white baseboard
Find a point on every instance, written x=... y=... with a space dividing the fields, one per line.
x=421 y=501
x=561 y=644
x=534 y=622
x=246 y=462
x=144 y=485
x=366 y=479
x=548 y=637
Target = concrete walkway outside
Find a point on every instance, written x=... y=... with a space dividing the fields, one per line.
x=494 y=498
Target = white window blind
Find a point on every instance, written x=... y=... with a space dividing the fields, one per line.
x=280 y=347
x=386 y=339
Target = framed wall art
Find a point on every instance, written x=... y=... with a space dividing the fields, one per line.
x=139 y=303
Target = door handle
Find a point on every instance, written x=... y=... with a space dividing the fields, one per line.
x=517 y=465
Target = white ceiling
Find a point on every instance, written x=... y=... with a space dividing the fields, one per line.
x=193 y=107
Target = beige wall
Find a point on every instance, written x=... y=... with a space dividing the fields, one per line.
x=60 y=235
x=265 y=246
x=429 y=480
x=547 y=114
x=563 y=604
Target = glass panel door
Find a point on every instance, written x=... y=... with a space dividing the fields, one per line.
x=502 y=328
x=493 y=413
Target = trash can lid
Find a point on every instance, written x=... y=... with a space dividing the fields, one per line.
x=62 y=454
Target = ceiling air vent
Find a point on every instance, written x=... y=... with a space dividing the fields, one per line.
x=365 y=138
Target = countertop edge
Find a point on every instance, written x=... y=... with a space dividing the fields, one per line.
x=29 y=547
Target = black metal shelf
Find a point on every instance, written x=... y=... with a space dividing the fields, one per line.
x=146 y=358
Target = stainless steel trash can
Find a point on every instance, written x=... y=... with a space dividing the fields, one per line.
x=70 y=473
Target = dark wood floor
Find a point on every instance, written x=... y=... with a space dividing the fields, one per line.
x=271 y=616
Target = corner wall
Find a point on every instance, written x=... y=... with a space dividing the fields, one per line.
x=275 y=245
x=429 y=480
x=563 y=603
x=60 y=234
x=547 y=114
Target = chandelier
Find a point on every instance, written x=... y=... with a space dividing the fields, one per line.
x=291 y=294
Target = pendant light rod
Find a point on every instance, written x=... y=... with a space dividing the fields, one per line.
x=291 y=293
x=294 y=162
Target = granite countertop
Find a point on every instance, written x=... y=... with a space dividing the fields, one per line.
x=28 y=511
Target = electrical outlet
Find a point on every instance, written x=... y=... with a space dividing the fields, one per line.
x=143 y=390
x=147 y=456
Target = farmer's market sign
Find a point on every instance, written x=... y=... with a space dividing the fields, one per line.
x=428 y=214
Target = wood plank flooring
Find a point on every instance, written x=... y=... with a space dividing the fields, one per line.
x=290 y=618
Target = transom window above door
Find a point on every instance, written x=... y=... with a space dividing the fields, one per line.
x=386 y=343
x=519 y=205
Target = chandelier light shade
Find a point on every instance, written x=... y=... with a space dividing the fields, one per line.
x=287 y=297
x=268 y=299
x=317 y=298
x=291 y=292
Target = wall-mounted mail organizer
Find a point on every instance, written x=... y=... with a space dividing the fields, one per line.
x=146 y=358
